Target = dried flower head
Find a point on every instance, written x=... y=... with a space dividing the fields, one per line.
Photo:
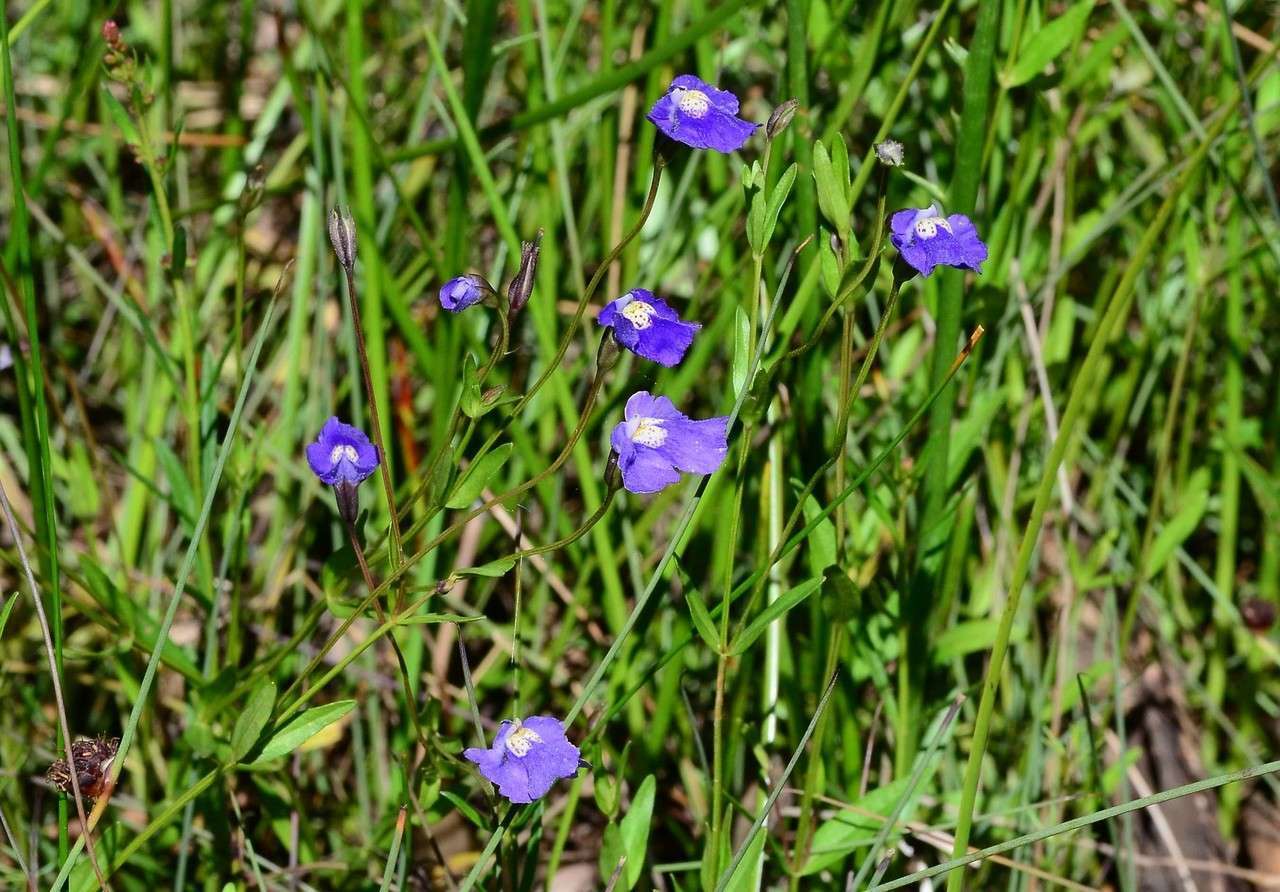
x=92 y=758
x=648 y=327
x=925 y=239
x=1258 y=615
x=527 y=758
x=697 y=114
x=781 y=118
x=521 y=287
x=890 y=152
x=342 y=235
x=655 y=442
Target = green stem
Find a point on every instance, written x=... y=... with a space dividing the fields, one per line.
x=411 y=698
x=1106 y=814
x=1081 y=391
x=615 y=79
x=916 y=610
x=375 y=421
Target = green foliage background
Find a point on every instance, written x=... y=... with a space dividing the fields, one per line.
x=932 y=598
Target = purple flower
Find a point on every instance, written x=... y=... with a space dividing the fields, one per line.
x=926 y=239
x=697 y=114
x=461 y=292
x=342 y=454
x=527 y=757
x=656 y=442
x=646 y=326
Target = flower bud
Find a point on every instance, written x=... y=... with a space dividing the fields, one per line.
x=347 y=494
x=461 y=292
x=608 y=352
x=521 y=286
x=780 y=118
x=612 y=472
x=342 y=235
x=889 y=152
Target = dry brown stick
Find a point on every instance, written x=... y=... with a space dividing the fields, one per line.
x=12 y=523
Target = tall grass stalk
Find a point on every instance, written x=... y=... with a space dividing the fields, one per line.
x=1081 y=392
x=917 y=609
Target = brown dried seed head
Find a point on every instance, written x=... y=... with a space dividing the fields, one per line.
x=1258 y=615
x=92 y=759
x=780 y=118
x=342 y=235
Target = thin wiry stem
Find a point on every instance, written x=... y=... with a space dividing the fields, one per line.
x=17 y=852
x=551 y=368
x=57 y=683
x=371 y=586
x=375 y=421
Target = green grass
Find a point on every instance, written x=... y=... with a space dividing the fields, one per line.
x=968 y=533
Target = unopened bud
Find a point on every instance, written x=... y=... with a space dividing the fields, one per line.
x=780 y=118
x=613 y=472
x=521 y=286
x=608 y=352
x=254 y=186
x=111 y=33
x=890 y=152
x=342 y=235
x=347 y=495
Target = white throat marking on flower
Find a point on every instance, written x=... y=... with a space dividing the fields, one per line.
x=648 y=432
x=639 y=314
x=929 y=221
x=693 y=103
x=521 y=739
x=341 y=451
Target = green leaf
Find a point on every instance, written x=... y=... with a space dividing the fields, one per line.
x=832 y=194
x=836 y=837
x=702 y=619
x=477 y=477
x=741 y=359
x=121 y=118
x=302 y=728
x=466 y=808
x=840 y=168
x=829 y=265
x=339 y=575
x=611 y=850
x=425 y=619
x=821 y=543
x=635 y=831
x=964 y=638
x=500 y=567
x=1191 y=507
x=6 y=610
x=249 y=724
x=1047 y=43
x=180 y=494
x=746 y=877
x=778 y=608
x=777 y=199
x=470 y=402
x=755 y=224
